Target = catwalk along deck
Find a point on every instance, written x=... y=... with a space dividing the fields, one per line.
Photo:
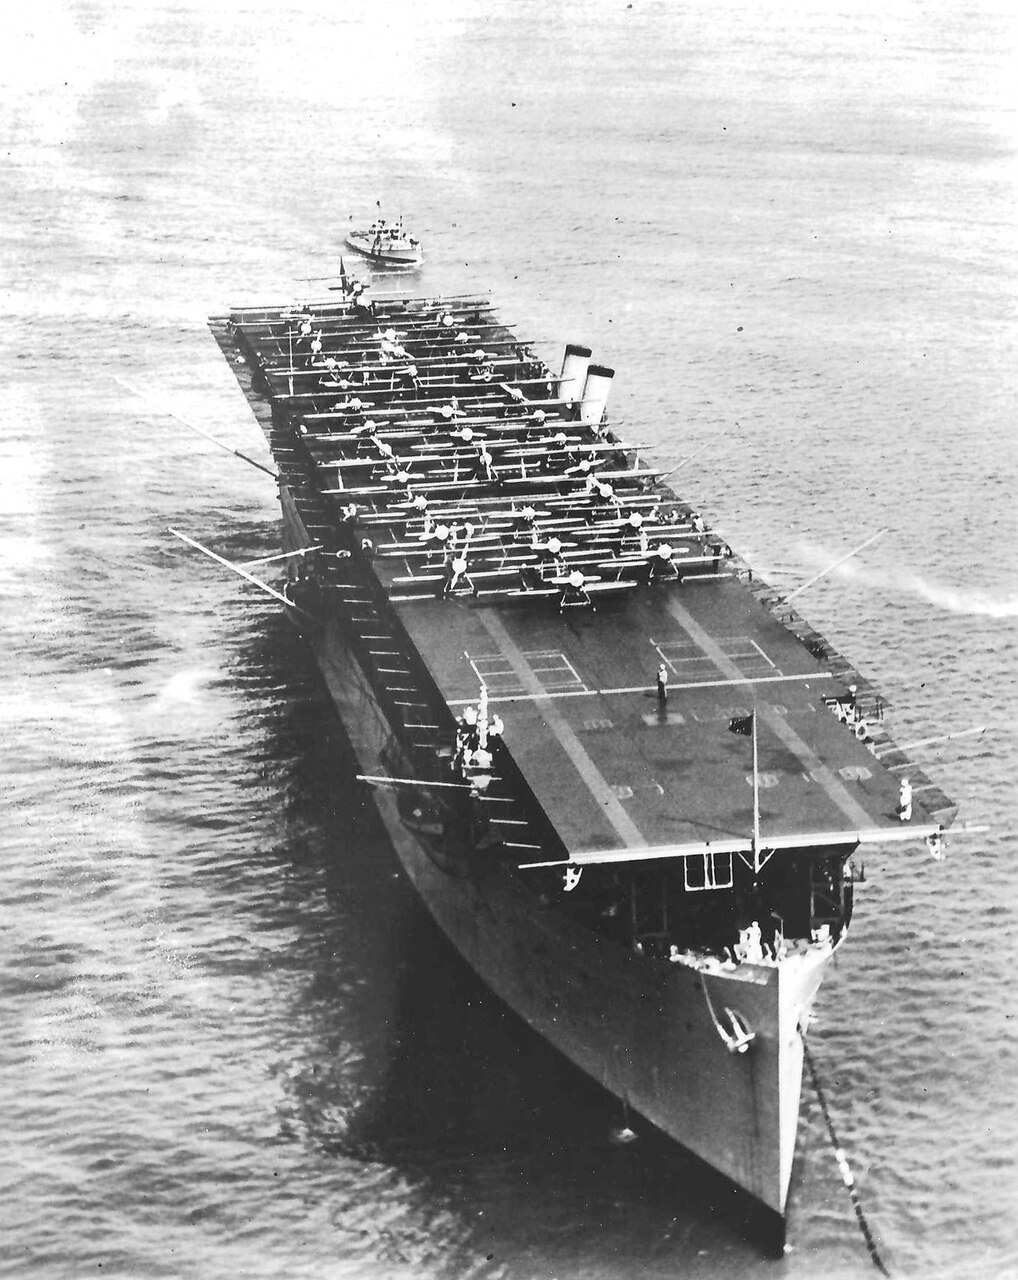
x=625 y=776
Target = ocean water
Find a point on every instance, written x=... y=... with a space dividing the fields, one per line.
x=232 y=1042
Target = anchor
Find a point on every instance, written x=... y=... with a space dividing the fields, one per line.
x=741 y=1036
x=571 y=878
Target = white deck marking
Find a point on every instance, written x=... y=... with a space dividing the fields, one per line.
x=626 y=829
x=554 y=671
x=742 y=650
x=526 y=696
x=555 y=663
x=837 y=792
x=494 y=672
x=763 y=655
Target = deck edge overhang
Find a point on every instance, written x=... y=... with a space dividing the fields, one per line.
x=808 y=840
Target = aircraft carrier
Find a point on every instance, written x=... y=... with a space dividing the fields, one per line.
x=625 y=776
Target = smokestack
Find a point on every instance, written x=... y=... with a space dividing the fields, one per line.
x=595 y=394
x=574 y=371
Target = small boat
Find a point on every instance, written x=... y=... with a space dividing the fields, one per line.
x=387 y=244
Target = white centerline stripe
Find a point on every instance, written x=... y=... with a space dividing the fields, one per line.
x=647 y=688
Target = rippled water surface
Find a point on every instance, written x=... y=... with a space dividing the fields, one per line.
x=234 y=1045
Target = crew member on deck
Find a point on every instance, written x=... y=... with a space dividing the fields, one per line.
x=752 y=946
x=719 y=550
x=466 y=735
x=479 y=770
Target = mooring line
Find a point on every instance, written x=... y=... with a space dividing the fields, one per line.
x=846 y=1172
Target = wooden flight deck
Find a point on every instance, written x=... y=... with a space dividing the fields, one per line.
x=616 y=767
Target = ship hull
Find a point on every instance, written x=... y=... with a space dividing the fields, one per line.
x=647 y=1032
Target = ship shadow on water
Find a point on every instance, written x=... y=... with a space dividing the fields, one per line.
x=456 y=1090
x=481 y=1105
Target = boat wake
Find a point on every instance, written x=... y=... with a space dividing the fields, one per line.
x=968 y=603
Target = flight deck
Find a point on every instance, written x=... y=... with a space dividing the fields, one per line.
x=616 y=761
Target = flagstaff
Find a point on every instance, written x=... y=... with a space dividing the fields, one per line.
x=756 y=800
x=745 y=726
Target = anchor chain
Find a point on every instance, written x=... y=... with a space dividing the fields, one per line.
x=847 y=1176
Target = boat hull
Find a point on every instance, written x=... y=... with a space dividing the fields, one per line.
x=646 y=1030
x=364 y=244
